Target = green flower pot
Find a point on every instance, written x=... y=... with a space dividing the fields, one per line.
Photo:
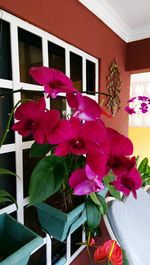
x=16 y=241
x=59 y=224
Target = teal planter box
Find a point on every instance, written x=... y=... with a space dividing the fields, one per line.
x=16 y=241
x=59 y=224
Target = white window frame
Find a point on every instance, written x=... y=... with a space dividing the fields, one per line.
x=15 y=84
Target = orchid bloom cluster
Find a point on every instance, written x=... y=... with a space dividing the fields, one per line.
x=83 y=134
x=138 y=104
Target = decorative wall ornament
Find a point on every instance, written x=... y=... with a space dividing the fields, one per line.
x=114 y=87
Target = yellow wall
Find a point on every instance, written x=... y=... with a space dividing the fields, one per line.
x=141 y=141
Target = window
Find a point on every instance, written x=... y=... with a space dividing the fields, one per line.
x=22 y=46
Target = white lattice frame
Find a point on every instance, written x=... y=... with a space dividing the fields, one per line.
x=15 y=84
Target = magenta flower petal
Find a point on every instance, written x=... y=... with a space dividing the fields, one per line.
x=84 y=108
x=42 y=75
x=86 y=187
x=36 y=120
x=22 y=128
x=121 y=165
x=85 y=181
x=94 y=131
x=130 y=110
x=77 y=177
x=131 y=99
x=129 y=182
x=120 y=144
x=30 y=109
x=62 y=149
x=98 y=164
x=82 y=138
x=54 y=81
x=60 y=133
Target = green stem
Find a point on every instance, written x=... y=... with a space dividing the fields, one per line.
x=9 y=121
x=10 y=92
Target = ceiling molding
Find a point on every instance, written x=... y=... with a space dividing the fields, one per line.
x=139 y=34
x=104 y=12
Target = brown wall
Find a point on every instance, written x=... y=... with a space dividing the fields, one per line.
x=72 y=22
x=138 y=55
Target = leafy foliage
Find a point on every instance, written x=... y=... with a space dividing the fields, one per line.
x=6 y=197
x=93 y=214
x=144 y=169
x=46 y=178
x=125 y=260
x=39 y=150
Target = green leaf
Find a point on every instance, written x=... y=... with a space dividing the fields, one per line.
x=103 y=205
x=39 y=150
x=107 y=179
x=114 y=192
x=46 y=178
x=6 y=197
x=4 y=171
x=137 y=159
x=94 y=198
x=93 y=214
x=147 y=170
x=125 y=260
x=143 y=165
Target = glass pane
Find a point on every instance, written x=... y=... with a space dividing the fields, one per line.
x=5 y=51
x=31 y=220
x=76 y=237
x=56 y=56
x=8 y=182
x=59 y=103
x=30 y=53
x=76 y=70
x=6 y=105
x=58 y=250
x=38 y=257
x=90 y=77
x=35 y=95
x=28 y=166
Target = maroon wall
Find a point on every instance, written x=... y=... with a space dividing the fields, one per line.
x=72 y=22
x=138 y=55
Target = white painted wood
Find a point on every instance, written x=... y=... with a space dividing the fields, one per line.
x=15 y=84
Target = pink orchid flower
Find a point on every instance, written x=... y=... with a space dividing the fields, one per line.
x=84 y=181
x=129 y=182
x=119 y=144
x=84 y=108
x=33 y=119
x=53 y=80
x=78 y=138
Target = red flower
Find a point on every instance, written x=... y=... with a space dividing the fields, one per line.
x=79 y=138
x=109 y=251
x=33 y=119
x=54 y=81
x=129 y=182
x=84 y=108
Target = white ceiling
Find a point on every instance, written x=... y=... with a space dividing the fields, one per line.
x=129 y=19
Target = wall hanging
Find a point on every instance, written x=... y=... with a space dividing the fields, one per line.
x=114 y=87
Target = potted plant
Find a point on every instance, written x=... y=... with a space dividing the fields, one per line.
x=80 y=156
x=17 y=242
